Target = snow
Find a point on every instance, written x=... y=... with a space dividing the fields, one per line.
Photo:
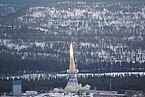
x=57 y=95
x=84 y=75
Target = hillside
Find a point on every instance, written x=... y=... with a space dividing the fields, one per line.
x=35 y=35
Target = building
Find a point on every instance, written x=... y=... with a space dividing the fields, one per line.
x=109 y=95
x=134 y=93
x=16 y=87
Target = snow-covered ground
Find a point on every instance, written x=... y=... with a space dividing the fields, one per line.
x=84 y=75
x=57 y=95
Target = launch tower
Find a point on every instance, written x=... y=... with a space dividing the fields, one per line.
x=72 y=85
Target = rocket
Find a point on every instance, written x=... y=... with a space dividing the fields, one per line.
x=72 y=67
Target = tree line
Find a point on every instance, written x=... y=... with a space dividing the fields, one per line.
x=119 y=83
x=17 y=66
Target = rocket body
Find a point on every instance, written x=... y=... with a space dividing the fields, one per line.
x=72 y=67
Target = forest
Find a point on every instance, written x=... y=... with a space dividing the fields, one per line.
x=108 y=36
x=119 y=83
x=18 y=67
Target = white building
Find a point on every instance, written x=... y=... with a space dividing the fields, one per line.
x=16 y=87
